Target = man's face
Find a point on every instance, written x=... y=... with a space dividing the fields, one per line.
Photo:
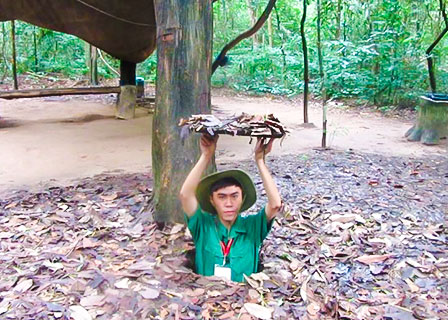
x=227 y=202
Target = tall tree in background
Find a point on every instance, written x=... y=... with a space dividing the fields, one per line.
x=252 y=10
x=184 y=48
x=36 y=61
x=306 y=72
x=432 y=78
x=3 y=52
x=270 y=32
x=321 y=73
x=338 y=19
x=282 y=50
x=93 y=65
x=14 y=54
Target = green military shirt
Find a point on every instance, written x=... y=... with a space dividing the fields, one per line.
x=247 y=233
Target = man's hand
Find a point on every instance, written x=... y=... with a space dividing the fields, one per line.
x=262 y=149
x=208 y=145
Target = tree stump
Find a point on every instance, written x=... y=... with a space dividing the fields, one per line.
x=432 y=121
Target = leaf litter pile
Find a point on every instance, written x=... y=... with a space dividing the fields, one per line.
x=364 y=238
x=243 y=125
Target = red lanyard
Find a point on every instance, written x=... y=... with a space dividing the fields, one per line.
x=226 y=248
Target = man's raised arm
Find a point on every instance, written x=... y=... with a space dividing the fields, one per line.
x=187 y=192
x=274 y=200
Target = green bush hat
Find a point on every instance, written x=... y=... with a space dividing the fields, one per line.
x=203 y=191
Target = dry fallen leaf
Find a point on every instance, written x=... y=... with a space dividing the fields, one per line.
x=227 y=315
x=177 y=228
x=92 y=301
x=122 y=284
x=260 y=276
x=6 y=235
x=195 y=293
x=258 y=311
x=23 y=285
x=89 y=243
x=253 y=294
x=304 y=289
x=53 y=265
x=412 y=285
x=368 y=259
x=109 y=197
x=313 y=308
x=253 y=283
x=4 y=306
x=149 y=293
x=79 y=313
x=214 y=293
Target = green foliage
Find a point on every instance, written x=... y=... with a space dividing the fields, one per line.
x=148 y=68
x=373 y=51
x=46 y=51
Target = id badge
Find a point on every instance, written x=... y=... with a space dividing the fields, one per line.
x=223 y=272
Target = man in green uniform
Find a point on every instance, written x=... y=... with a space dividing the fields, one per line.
x=228 y=245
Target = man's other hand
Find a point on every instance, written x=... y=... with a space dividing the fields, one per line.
x=262 y=149
x=208 y=145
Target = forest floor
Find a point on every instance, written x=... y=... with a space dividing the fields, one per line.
x=364 y=237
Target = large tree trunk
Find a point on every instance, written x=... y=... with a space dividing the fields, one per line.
x=184 y=45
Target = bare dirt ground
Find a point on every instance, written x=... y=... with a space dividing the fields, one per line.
x=57 y=140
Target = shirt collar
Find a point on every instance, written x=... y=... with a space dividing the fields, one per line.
x=238 y=227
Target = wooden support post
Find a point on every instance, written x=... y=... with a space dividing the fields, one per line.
x=127 y=73
x=14 y=54
x=184 y=43
x=128 y=97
